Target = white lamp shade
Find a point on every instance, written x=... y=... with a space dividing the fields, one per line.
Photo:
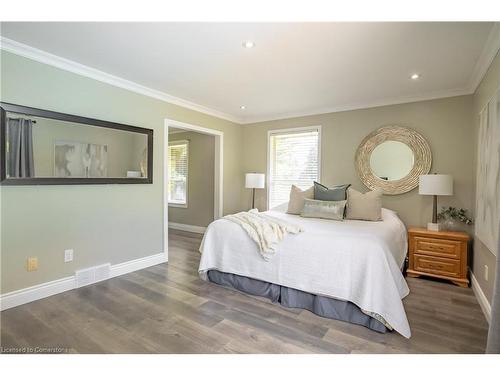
x=255 y=180
x=435 y=184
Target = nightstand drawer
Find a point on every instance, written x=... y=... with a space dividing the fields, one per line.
x=437 y=247
x=437 y=266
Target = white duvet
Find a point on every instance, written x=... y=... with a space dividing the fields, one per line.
x=266 y=231
x=352 y=260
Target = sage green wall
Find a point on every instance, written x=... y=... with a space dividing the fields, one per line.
x=445 y=123
x=482 y=255
x=200 y=209
x=117 y=223
x=102 y=223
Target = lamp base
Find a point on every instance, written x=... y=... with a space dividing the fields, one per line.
x=435 y=227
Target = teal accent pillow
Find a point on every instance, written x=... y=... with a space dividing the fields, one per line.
x=335 y=193
x=333 y=210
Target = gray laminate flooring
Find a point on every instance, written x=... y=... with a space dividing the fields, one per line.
x=168 y=309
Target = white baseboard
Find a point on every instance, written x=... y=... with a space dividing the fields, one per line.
x=33 y=293
x=138 y=264
x=481 y=298
x=187 y=227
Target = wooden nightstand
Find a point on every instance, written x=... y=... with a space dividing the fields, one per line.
x=438 y=254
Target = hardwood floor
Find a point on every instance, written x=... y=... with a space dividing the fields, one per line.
x=168 y=309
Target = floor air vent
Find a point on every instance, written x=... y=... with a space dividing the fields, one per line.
x=92 y=275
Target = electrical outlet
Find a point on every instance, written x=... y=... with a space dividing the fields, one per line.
x=32 y=264
x=68 y=255
x=486 y=272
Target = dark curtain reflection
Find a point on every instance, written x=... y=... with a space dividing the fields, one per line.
x=20 y=161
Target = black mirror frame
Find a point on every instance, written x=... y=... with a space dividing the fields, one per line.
x=14 y=108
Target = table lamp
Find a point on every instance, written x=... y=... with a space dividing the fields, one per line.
x=255 y=181
x=435 y=184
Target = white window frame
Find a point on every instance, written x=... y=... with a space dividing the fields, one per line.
x=289 y=131
x=174 y=143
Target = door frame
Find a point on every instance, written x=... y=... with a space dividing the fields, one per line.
x=218 y=170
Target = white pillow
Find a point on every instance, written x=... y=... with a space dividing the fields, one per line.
x=366 y=206
x=297 y=196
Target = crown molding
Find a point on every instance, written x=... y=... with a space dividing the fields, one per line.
x=488 y=53
x=361 y=105
x=35 y=54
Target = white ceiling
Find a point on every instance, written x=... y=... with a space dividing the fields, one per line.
x=294 y=69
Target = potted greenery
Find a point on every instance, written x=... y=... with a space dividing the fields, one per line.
x=452 y=217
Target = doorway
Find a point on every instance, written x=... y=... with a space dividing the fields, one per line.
x=176 y=186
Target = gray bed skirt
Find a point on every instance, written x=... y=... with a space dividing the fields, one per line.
x=323 y=306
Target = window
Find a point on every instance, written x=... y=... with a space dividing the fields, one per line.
x=178 y=173
x=293 y=160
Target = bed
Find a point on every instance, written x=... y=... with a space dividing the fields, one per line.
x=348 y=270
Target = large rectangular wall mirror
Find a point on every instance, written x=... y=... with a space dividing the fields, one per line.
x=39 y=147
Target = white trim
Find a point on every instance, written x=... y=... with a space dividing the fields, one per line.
x=175 y=131
x=488 y=53
x=219 y=177
x=36 y=292
x=33 y=293
x=187 y=227
x=137 y=264
x=165 y=191
x=289 y=130
x=481 y=298
x=360 y=105
x=295 y=130
x=218 y=171
x=47 y=58
x=35 y=54
x=191 y=127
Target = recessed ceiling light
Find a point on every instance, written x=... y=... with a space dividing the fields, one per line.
x=248 y=44
x=415 y=76
x=242 y=107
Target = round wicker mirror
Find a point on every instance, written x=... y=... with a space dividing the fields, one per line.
x=392 y=158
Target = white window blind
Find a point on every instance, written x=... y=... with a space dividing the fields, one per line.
x=294 y=159
x=178 y=172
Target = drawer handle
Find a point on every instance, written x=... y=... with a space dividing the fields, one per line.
x=435 y=266
x=434 y=247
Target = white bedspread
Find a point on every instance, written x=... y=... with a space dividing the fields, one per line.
x=265 y=230
x=351 y=260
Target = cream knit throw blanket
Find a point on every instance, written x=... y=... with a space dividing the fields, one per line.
x=265 y=230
